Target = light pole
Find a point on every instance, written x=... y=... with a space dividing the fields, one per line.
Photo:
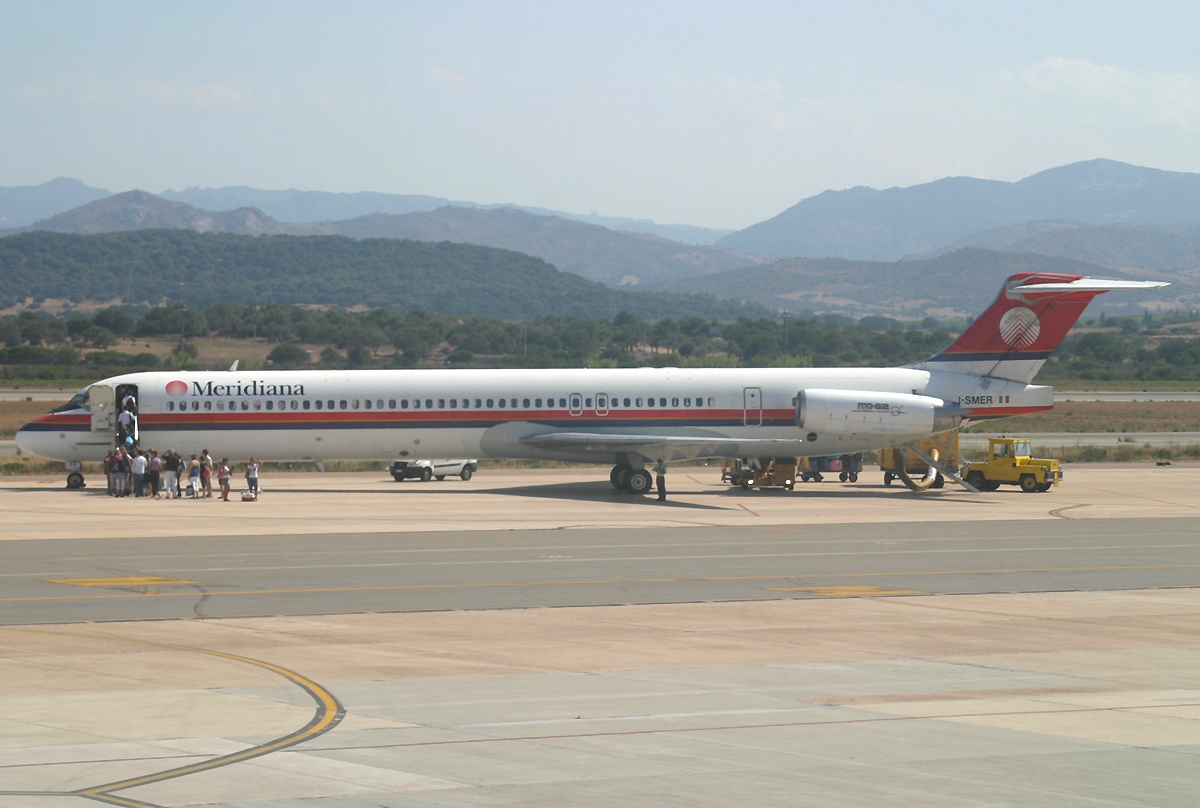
x=785 y=316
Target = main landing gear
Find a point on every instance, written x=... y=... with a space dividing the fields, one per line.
x=626 y=478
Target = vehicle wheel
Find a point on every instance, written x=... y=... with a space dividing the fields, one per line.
x=843 y=476
x=940 y=482
x=441 y=477
x=398 y=478
x=745 y=485
x=791 y=486
x=1044 y=487
x=640 y=481
x=976 y=480
x=1028 y=483
x=991 y=486
x=466 y=473
x=888 y=477
x=426 y=475
x=74 y=480
x=818 y=477
x=854 y=476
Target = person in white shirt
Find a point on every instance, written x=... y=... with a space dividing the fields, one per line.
x=138 y=466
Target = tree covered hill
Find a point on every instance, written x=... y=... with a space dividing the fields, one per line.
x=203 y=269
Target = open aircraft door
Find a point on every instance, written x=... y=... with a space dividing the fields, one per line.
x=752 y=401
x=102 y=401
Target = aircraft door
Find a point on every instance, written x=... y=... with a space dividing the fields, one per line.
x=576 y=404
x=601 y=404
x=752 y=406
x=102 y=400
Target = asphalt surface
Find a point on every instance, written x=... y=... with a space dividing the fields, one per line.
x=236 y=576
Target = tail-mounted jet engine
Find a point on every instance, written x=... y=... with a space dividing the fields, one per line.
x=893 y=417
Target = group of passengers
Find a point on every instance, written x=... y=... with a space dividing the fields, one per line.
x=143 y=473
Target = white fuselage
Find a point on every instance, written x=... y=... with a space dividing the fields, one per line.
x=390 y=414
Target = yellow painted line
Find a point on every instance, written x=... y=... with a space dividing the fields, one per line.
x=849 y=591
x=131 y=580
x=607 y=582
x=328 y=714
x=1059 y=511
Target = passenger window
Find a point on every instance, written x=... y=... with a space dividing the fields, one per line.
x=404 y=403
x=367 y=404
x=650 y=402
x=478 y=404
x=662 y=402
x=637 y=402
x=295 y=404
x=391 y=403
x=441 y=403
x=245 y=405
x=454 y=403
x=626 y=402
x=514 y=403
x=416 y=403
x=712 y=402
x=354 y=404
x=537 y=402
x=343 y=403
x=674 y=402
x=319 y=403
x=587 y=402
x=466 y=403
x=687 y=402
x=257 y=404
x=329 y=405
x=379 y=404
x=220 y=405
x=525 y=403
x=502 y=402
x=270 y=405
x=490 y=404
x=307 y=404
x=170 y=406
x=562 y=402
x=429 y=403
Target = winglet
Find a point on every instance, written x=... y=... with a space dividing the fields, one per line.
x=233 y=367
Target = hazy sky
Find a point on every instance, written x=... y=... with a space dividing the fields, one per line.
x=715 y=114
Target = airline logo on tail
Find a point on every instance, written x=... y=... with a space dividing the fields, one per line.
x=1020 y=327
x=1026 y=322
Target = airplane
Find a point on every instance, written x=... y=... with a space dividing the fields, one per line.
x=626 y=417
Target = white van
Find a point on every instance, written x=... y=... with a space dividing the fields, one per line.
x=426 y=470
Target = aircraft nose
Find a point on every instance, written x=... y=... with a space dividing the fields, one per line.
x=27 y=441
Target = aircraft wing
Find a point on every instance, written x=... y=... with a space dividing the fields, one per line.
x=616 y=442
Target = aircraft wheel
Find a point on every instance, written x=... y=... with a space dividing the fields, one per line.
x=619 y=477
x=640 y=481
x=75 y=480
x=1028 y=483
x=426 y=475
x=466 y=473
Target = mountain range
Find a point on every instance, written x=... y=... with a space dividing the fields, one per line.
x=886 y=225
x=956 y=284
x=612 y=257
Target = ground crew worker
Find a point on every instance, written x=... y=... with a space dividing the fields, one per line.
x=660 y=480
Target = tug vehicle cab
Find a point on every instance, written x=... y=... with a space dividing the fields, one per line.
x=1010 y=462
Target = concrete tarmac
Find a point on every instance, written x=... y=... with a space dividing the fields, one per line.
x=372 y=643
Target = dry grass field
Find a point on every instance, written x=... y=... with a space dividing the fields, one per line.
x=1104 y=416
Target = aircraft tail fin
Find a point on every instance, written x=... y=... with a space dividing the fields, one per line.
x=1027 y=321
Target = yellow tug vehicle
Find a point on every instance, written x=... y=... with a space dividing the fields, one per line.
x=1011 y=462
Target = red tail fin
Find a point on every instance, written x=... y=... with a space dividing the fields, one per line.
x=1027 y=321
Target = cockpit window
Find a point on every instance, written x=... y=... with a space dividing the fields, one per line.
x=77 y=401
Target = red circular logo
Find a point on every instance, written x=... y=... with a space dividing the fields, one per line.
x=177 y=388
